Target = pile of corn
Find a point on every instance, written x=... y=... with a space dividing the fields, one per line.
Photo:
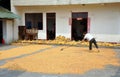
x=59 y=40
x=62 y=40
x=107 y=44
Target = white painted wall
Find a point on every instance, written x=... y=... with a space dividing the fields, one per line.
x=42 y=33
x=105 y=25
x=107 y=37
x=62 y=22
x=59 y=2
x=104 y=19
x=8 y=31
x=16 y=22
x=62 y=19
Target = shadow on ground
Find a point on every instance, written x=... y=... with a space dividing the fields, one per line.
x=117 y=74
x=10 y=73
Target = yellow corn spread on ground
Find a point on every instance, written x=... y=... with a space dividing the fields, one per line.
x=72 y=60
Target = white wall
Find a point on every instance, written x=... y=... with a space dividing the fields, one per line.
x=16 y=22
x=42 y=33
x=8 y=31
x=104 y=19
x=107 y=37
x=62 y=22
x=105 y=25
x=59 y=2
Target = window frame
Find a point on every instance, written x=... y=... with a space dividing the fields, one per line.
x=32 y=20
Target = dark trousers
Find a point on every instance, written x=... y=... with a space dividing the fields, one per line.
x=90 y=43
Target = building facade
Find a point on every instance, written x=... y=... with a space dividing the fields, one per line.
x=69 y=18
x=6 y=25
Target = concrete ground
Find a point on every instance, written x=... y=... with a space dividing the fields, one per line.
x=108 y=71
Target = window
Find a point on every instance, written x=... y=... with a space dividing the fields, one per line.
x=34 y=20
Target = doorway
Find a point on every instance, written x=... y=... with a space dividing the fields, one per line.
x=51 y=26
x=22 y=32
x=79 y=25
x=1 y=32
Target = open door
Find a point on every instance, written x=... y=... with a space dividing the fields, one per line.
x=51 y=26
x=79 y=25
x=1 y=32
x=22 y=32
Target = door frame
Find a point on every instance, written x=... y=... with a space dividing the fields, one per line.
x=1 y=29
x=47 y=24
x=88 y=25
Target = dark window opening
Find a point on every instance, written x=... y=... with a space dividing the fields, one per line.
x=34 y=20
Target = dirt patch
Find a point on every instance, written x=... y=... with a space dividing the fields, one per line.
x=74 y=60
